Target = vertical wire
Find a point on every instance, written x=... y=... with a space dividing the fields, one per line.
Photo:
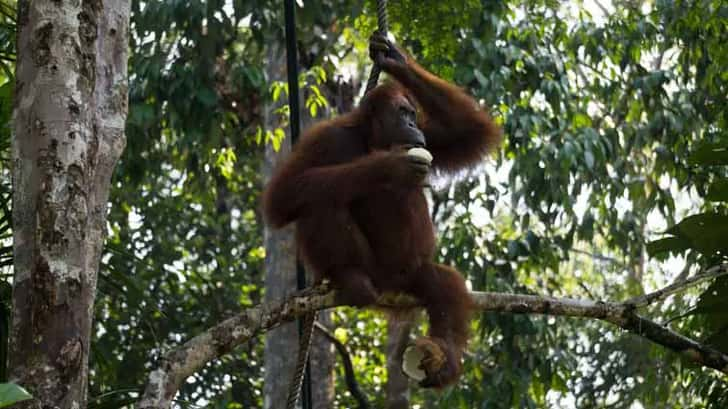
x=302 y=374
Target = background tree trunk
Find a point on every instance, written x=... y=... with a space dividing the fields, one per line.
x=322 y=357
x=281 y=343
x=323 y=362
x=71 y=106
x=397 y=387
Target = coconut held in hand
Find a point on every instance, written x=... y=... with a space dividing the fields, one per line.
x=421 y=153
x=412 y=361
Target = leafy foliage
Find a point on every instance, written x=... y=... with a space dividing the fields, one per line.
x=615 y=124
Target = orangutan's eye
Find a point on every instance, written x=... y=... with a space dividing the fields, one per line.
x=407 y=111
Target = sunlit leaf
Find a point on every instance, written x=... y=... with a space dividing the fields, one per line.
x=11 y=393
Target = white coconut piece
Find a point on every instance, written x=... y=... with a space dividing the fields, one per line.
x=420 y=153
x=412 y=359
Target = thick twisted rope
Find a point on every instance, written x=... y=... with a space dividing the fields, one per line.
x=383 y=28
x=304 y=346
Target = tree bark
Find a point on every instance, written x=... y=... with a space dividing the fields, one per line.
x=70 y=111
x=323 y=363
x=281 y=343
x=322 y=354
x=397 y=387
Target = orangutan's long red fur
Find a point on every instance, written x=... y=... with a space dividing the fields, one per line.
x=364 y=224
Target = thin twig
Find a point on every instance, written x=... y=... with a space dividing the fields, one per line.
x=600 y=257
x=647 y=299
x=603 y=9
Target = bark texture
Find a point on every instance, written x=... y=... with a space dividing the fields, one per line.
x=71 y=106
x=323 y=363
x=281 y=343
x=322 y=356
x=397 y=387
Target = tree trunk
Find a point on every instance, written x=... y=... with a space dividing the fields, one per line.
x=322 y=357
x=71 y=106
x=323 y=362
x=397 y=387
x=281 y=343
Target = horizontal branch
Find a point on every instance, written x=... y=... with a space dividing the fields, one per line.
x=620 y=314
x=708 y=274
x=183 y=361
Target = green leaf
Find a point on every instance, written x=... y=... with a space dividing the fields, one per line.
x=513 y=249
x=207 y=97
x=278 y=136
x=6 y=101
x=713 y=305
x=140 y=114
x=480 y=77
x=706 y=232
x=532 y=241
x=709 y=154
x=668 y=244
x=581 y=120
x=11 y=393
x=276 y=92
x=559 y=384
x=718 y=191
x=589 y=159
x=712 y=300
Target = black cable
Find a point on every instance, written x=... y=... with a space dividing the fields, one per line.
x=292 y=68
x=294 y=116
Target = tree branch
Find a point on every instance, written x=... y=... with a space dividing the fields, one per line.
x=349 y=374
x=619 y=314
x=179 y=363
x=600 y=257
x=603 y=9
x=647 y=299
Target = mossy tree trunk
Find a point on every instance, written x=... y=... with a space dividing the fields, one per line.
x=71 y=107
